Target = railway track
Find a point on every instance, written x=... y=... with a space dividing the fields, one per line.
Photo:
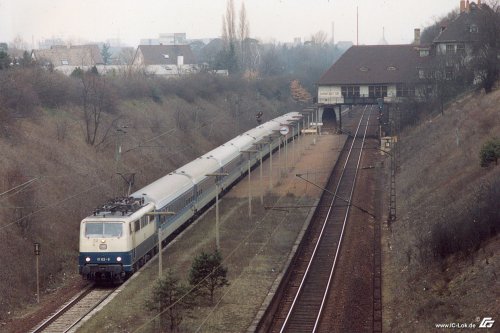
x=306 y=290
x=72 y=313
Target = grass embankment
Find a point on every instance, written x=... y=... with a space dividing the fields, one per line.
x=442 y=256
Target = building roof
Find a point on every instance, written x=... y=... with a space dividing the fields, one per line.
x=78 y=55
x=459 y=30
x=375 y=64
x=166 y=54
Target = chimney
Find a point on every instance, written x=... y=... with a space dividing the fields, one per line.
x=467 y=6
x=462 y=6
x=416 y=39
x=479 y=2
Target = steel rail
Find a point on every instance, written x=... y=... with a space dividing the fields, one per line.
x=343 y=228
x=65 y=310
x=304 y=277
x=43 y=325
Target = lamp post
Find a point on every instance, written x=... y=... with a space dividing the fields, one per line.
x=160 y=232
x=217 y=190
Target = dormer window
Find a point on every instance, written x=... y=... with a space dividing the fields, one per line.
x=364 y=69
x=473 y=29
x=64 y=62
x=166 y=56
x=391 y=68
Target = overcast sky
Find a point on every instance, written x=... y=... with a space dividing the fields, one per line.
x=279 y=20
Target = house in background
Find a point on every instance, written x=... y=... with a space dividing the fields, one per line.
x=165 y=60
x=391 y=73
x=65 y=59
x=460 y=34
x=367 y=73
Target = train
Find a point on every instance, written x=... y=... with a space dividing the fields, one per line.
x=121 y=235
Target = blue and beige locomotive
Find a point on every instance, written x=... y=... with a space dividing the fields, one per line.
x=124 y=233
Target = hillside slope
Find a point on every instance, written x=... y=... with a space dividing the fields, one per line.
x=65 y=179
x=442 y=255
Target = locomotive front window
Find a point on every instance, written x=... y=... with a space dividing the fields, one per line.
x=103 y=230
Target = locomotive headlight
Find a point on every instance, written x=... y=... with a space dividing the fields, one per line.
x=87 y=259
x=118 y=259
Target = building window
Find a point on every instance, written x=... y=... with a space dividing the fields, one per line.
x=402 y=90
x=450 y=48
x=448 y=73
x=65 y=62
x=473 y=29
x=350 y=91
x=461 y=48
x=424 y=53
x=377 y=91
x=421 y=74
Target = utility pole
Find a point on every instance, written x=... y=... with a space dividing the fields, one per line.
x=249 y=152
x=261 y=183
x=270 y=163
x=357 y=26
x=160 y=236
x=217 y=176
x=120 y=132
x=37 y=255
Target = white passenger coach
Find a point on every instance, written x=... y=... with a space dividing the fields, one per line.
x=121 y=235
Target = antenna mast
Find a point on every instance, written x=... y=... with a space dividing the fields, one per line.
x=357 y=26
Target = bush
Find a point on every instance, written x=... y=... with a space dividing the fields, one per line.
x=465 y=231
x=490 y=152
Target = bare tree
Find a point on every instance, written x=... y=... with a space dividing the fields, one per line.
x=97 y=98
x=22 y=199
x=244 y=26
x=486 y=50
x=230 y=20
x=319 y=38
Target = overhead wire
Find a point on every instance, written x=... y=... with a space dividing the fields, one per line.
x=243 y=241
x=261 y=248
x=169 y=131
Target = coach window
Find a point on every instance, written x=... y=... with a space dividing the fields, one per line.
x=137 y=225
